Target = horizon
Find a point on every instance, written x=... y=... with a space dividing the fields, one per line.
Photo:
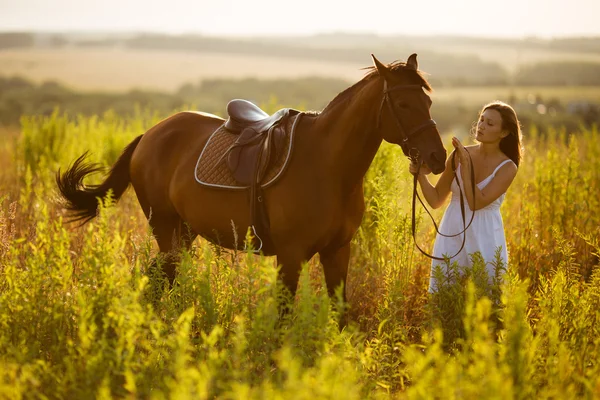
x=109 y=32
x=463 y=18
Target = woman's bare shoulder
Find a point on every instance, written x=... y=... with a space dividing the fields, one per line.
x=508 y=166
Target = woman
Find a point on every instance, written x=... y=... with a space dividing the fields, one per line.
x=494 y=160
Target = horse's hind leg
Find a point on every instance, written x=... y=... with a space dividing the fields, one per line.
x=172 y=235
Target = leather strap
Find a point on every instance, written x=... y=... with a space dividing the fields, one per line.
x=462 y=209
x=406 y=135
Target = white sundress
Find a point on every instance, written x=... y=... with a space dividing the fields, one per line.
x=485 y=234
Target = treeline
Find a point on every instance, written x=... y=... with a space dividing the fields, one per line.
x=16 y=40
x=559 y=74
x=325 y=40
x=20 y=97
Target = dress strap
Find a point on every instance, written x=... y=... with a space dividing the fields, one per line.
x=500 y=165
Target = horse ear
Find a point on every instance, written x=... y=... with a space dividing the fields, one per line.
x=412 y=62
x=383 y=70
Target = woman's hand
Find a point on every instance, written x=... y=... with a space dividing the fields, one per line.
x=423 y=171
x=461 y=151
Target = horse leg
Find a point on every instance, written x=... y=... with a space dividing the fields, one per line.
x=335 y=267
x=172 y=236
x=290 y=271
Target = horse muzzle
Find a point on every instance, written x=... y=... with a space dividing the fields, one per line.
x=437 y=162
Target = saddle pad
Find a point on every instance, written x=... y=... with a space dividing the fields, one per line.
x=211 y=167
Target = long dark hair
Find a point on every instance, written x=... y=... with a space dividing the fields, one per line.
x=510 y=144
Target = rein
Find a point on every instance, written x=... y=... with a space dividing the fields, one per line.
x=414 y=156
x=462 y=209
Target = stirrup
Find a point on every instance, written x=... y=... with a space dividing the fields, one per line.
x=258 y=237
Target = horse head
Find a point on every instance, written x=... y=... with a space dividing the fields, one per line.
x=404 y=116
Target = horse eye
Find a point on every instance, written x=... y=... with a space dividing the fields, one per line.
x=403 y=106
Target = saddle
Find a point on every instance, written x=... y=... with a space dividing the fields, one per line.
x=260 y=137
x=244 y=114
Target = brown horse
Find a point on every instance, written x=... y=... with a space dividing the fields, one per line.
x=316 y=206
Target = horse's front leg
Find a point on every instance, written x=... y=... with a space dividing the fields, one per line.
x=335 y=267
x=289 y=273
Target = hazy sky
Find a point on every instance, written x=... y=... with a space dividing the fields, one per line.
x=505 y=18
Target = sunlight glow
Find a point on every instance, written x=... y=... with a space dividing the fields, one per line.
x=510 y=18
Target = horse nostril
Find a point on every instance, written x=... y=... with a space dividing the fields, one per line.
x=437 y=161
x=439 y=156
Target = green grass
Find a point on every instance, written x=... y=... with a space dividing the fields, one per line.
x=83 y=316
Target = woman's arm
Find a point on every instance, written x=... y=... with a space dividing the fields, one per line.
x=500 y=184
x=435 y=195
x=493 y=190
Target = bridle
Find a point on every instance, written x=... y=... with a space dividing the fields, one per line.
x=413 y=154
x=404 y=143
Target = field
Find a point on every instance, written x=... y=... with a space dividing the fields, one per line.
x=82 y=314
x=120 y=70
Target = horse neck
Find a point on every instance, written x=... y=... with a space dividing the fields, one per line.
x=349 y=131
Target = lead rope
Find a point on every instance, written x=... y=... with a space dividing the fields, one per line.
x=462 y=208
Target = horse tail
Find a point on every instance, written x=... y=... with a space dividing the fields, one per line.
x=82 y=201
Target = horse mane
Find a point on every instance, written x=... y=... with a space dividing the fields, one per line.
x=394 y=67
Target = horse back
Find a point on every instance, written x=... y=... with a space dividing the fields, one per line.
x=166 y=146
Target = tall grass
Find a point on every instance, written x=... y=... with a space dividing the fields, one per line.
x=82 y=314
